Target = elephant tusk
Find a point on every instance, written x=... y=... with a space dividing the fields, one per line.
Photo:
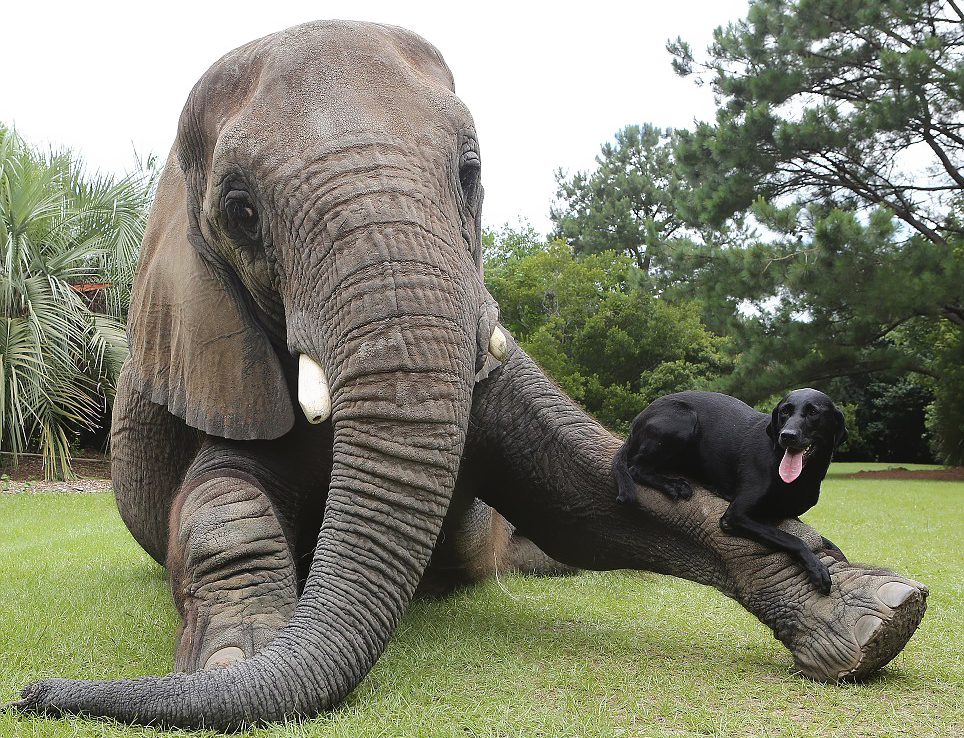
x=313 y=394
x=497 y=344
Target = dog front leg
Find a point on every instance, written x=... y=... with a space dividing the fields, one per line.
x=737 y=521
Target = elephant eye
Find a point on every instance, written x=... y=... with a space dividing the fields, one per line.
x=241 y=213
x=470 y=172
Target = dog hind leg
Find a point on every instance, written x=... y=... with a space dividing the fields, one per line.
x=661 y=442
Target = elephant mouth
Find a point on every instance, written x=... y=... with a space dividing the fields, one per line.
x=314 y=392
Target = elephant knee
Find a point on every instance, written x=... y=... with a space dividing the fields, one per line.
x=227 y=539
x=482 y=544
x=232 y=572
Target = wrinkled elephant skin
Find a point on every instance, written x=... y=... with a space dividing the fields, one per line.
x=319 y=402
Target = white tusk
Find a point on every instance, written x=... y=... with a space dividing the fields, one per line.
x=497 y=344
x=313 y=394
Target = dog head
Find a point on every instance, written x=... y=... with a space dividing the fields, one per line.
x=804 y=422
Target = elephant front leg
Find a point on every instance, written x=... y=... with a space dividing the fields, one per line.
x=231 y=569
x=548 y=469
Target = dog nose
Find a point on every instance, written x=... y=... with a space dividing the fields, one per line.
x=787 y=437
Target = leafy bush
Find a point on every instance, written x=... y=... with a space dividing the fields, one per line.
x=594 y=328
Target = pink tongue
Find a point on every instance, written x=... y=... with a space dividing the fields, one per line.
x=791 y=465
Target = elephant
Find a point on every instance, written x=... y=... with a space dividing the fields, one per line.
x=320 y=406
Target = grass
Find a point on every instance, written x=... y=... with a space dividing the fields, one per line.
x=599 y=654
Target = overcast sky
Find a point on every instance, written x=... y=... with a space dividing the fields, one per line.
x=546 y=83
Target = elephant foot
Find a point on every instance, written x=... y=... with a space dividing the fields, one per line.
x=524 y=557
x=201 y=640
x=849 y=634
x=232 y=573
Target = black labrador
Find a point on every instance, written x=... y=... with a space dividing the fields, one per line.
x=770 y=468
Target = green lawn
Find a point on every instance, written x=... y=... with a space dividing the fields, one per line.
x=615 y=654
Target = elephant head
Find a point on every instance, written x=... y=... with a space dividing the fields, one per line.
x=321 y=222
x=315 y=240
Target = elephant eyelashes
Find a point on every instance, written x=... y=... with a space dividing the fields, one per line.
x=469 y=178
x=241 y=214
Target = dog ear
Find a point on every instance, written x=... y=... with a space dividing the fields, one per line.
x=773 y=427
x=840 y=434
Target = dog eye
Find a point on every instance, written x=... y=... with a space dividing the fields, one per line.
x=813 y=412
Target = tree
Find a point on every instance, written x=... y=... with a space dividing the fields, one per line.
x=595 y=329
x=510 y=245
x=68 y=244
x=831 y=305
x=840 y=130
x=834 y=101
x=626 y=204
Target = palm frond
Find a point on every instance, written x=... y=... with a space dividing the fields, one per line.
x=68 y=247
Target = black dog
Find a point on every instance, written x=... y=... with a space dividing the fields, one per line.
x=769 y=468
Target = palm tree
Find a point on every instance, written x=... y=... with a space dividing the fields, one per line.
x=68 y=246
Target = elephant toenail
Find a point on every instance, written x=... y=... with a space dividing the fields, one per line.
x=866 y=627
x=224 y=657
x=894 y=594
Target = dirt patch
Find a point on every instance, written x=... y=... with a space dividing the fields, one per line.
x=950 y=474
x=77 y=486
x=28 y=477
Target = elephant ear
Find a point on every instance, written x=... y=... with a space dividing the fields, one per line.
x=194 y=346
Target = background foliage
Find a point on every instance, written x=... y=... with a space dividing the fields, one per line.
x=812 y=234
x=68 y=246
x=593 y=325
x=816 y=223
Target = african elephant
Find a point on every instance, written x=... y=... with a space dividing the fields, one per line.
x=315 y=241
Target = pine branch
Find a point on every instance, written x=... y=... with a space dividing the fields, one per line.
x=902 y=211
x=948 y=132
x=942 y=155
x=956 y=9
x=953 y=313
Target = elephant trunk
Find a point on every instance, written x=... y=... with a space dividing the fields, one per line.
x=401 y=389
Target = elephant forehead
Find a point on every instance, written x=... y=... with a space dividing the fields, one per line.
x=333 y=44
x=329 y=79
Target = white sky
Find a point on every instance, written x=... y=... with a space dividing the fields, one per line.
x=546 y=83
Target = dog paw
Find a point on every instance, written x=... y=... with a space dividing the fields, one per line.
x=676 y=489
x=626 y=496
x=820 y=576
x=682 y=490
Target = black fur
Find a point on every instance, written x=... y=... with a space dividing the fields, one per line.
x=736 y=452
